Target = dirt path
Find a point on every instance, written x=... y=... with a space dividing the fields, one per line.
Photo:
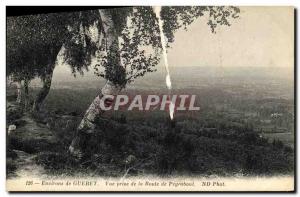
x=26 y=142
x=34 y=132
x=26 y=165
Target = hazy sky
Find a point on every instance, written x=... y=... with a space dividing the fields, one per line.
x=261 y=37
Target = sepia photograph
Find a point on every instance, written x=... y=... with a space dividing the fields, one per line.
x=150 y=99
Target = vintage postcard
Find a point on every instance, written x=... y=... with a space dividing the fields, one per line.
x=150 y=98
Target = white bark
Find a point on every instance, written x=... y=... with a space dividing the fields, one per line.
x=108 y=26
x=19 y=91
x=26 y=93
x=87 y=124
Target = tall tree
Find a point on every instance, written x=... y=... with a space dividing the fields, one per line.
x=34 y=41
x=123 y=39
x=124 y=54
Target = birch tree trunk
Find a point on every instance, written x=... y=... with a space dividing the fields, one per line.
x=87 y=124
x=26 y=92
x=19 y=92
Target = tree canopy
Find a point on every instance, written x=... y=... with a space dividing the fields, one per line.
x=33 y=41
x=140 y=38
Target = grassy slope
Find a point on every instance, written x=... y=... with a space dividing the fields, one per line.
x=191 y=148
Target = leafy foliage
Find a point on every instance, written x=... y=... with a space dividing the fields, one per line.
x=176 y=17
x=139 y=35
x=33 y=42
x=80 y=48
x=140 y=39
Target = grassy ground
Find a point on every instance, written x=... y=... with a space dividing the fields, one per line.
x=162 y=150
x=286 y=138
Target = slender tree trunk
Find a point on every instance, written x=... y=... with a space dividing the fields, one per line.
x=26 y=91
x=47 y=79
x=87 y=125
x=19 y=92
